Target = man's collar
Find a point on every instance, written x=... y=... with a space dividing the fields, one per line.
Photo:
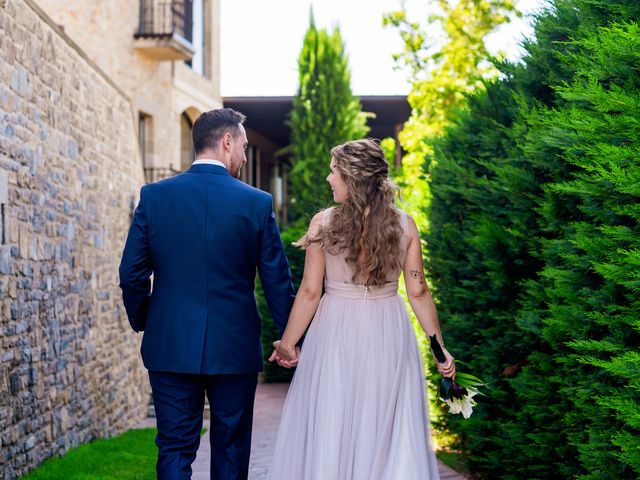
x=209 y=161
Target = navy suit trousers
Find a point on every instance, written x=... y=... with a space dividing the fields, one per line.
x=178 y=399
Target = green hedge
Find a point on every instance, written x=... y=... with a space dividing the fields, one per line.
x=534 y=249
x=272 y=372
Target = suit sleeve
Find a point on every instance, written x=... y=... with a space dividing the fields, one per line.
x=136 y=268
x=273 y=268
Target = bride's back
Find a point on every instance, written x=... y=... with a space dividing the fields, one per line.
x=338 y=270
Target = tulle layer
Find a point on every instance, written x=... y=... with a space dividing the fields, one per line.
x=356 y=408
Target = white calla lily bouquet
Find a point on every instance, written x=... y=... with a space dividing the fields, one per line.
x=458 y=393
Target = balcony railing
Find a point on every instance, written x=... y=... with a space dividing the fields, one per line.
x=153 y=174
x=165 y=30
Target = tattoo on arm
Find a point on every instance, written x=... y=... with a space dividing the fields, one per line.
x=417 y=275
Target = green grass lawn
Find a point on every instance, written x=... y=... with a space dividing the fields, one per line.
x=131 y=455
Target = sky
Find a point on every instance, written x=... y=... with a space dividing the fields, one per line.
x=260 y=41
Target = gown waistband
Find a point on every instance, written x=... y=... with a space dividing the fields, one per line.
x=360 y=292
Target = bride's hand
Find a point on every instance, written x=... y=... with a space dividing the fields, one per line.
x=285 y=355
x=448 y=368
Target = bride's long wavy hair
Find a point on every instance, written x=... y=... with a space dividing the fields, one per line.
x=367 y=223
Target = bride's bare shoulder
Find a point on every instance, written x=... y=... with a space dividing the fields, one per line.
x=318 y=220
x=322 y=217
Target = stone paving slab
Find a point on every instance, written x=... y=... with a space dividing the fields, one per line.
x=266 y=418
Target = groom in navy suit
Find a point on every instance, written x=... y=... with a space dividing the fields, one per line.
x=203 y=234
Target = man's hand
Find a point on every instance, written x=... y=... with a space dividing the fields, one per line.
x=285 y=355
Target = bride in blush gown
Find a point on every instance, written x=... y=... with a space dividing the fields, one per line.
x=356 y=408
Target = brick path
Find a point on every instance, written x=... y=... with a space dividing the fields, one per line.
x=268 y=407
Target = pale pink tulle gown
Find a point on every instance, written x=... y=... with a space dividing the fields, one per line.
x=356 y=407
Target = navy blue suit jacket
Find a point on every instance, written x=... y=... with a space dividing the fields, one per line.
x=203 y=234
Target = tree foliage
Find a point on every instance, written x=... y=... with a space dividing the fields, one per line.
x=325 y=113
x=447 y=58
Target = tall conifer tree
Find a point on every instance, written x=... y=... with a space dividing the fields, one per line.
x=325 y=113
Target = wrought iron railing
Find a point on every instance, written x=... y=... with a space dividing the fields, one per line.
x=163 y=18
x=153 y=174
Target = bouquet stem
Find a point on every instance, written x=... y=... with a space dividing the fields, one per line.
x=437 y=349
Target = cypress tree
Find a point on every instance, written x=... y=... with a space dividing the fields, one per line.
x=325 y=113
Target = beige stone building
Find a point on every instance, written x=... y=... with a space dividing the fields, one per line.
x=163 y=54
x=95 y=99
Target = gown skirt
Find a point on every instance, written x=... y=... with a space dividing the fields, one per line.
x=356 y=407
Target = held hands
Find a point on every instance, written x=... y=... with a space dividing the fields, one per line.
x=285 y=355
x=448 y=368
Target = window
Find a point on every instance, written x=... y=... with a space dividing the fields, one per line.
x=144 y=138
x=197 y=61
x=186 y=142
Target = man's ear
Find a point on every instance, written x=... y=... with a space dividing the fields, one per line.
x=226 y=141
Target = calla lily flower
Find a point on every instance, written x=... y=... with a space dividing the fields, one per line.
x=462 y=405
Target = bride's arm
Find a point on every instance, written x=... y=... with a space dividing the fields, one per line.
x=309 y=293
x=420 y=297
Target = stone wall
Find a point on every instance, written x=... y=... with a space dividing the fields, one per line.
x=69 y=173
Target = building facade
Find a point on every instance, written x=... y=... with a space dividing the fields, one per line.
x=163 y=54
x=95 y=99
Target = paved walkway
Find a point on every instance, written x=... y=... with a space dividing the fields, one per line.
x=268 y=408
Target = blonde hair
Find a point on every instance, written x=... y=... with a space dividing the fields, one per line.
x=367 y=223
